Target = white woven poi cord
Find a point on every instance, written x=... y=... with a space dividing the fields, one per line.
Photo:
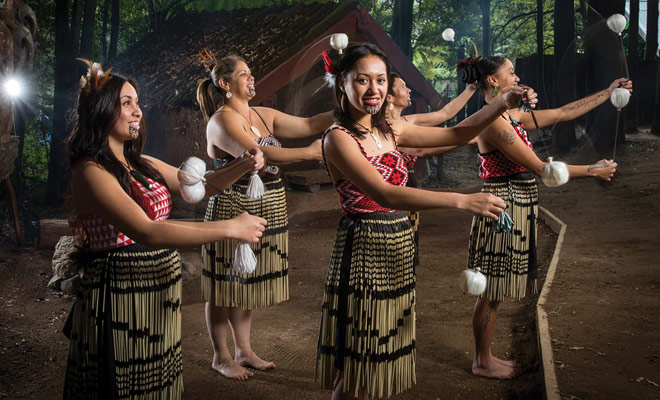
x=472 y=280
x=244 y=259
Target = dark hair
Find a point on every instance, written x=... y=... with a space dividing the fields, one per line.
x=477 y=69
x=97 y=112
x=210 y=95
x=390 y=87
x=351 y=56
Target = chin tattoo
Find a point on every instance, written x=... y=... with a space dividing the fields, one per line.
x=371 y=109
x=133 y=133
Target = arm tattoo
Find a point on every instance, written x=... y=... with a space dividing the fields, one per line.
x=599 y=164
x=586 y=103
x=507 y=137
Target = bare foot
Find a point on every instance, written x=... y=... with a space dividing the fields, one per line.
x=508 y=363
x=494 y=370
x=232 y=370
x=252 y=361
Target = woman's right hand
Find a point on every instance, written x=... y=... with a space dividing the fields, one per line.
x=484 y=204
x=512 y=96
x=247 y=228
x=603 y=169
x=314 y=150
x=256 y=159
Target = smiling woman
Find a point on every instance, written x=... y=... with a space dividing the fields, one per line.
x=367 y=336
x=126 y=320
x=233 y=127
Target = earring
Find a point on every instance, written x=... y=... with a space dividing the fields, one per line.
x=494 y=91
x=342 y=103
x=228 y=94
x=391 y=106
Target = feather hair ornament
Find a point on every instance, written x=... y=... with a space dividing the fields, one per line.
x=207 y=58
x=95 y=76
x=330 y=70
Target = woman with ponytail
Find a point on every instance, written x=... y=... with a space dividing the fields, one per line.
x=397 y=100
x=232 y=128
x=125 y=325
x=367 y=335
x=509 y=166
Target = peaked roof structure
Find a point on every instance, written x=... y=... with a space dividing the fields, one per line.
x=279 y=43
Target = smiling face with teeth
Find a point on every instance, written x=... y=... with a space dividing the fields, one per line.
x=366 y=85
x=241 y=83
x=128 y=124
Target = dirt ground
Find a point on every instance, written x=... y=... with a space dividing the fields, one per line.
x=602 y=306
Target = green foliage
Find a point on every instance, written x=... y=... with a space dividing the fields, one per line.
x=512 y=27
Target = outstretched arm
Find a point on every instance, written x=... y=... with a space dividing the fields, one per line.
x=225 y=133
x=96 y=190
x=502 y=136
x=219 y=179
x=420 y=136
x=345 y=159
x=447 y=112
x=572 y=110
x=287 y=126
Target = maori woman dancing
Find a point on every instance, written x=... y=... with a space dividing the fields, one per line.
x=367 y=335
x=126 y=320
x=233 y=127
x=509 y=167
x=398 y=99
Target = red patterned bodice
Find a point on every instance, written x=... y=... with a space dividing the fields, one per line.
x=392 y=166
x=156 y=202
x=495 y=164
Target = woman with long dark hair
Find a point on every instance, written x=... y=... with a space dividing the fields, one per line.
x=367 y=336
x=126 y=320
x=233 y=126
x=509 y=168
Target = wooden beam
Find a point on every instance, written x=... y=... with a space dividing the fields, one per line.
x=302 y=61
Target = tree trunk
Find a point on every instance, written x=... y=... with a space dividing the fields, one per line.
x=104 y=31
x=655 y=128
x=89 y=20
x=485 y=23
x=633 y=56
x=651 y=30
x=564 y=70
x=540 y=82
x=601 y=122
x=114 y=29
x=402 y=21
x=61 y=103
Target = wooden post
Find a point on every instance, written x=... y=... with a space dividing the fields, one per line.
x=17 y=225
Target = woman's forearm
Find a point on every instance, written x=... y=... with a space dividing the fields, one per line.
x=580 y=107
x=282 y=156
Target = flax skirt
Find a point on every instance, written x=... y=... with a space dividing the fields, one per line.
x=269 y=283
x=368 y=314
x=508 y=260
x=126 y=327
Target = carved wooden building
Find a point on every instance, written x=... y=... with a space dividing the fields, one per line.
x=281 y=44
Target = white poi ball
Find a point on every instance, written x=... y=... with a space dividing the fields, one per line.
x=191 y=171
x=620 y=98
x=448 y=35
x=193 y=193
x=473 y=282
x=339 y=41
x=617 y=23
x=555 y=173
